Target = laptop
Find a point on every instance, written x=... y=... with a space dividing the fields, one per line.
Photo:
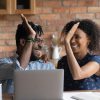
x=39 y=85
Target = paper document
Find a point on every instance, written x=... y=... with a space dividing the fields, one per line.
x=0 y=91
x=81 y=95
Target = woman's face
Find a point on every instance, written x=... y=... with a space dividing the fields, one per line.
x=79 y=42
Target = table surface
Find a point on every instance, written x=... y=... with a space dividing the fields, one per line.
x=7 y=97
x=10 y=97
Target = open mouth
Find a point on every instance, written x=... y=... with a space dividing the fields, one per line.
x=74 y=46
x=37 y=48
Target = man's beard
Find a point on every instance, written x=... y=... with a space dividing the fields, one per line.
x=34 y=58
x=33 y=55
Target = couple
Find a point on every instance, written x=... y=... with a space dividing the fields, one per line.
x=81 y=67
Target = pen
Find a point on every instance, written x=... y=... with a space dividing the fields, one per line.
x=76 y=98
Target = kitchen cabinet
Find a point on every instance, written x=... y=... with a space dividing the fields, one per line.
x=23 y=6
x=17 y=6
x=5 y=6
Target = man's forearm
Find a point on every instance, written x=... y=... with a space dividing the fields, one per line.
x=26 y=54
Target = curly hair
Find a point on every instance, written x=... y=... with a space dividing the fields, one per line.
x=90 y=28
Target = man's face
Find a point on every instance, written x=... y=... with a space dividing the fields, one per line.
x=37 y=48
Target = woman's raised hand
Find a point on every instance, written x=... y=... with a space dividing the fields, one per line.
x=70 y=34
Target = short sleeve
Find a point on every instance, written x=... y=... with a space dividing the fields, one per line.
x=96 y=59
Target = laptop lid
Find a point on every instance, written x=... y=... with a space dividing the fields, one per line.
x=39 y=84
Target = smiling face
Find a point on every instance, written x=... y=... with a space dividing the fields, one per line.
x=37 y=47
x=36 y=50
x=79 y=42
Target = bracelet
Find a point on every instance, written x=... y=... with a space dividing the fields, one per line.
x=31 y=39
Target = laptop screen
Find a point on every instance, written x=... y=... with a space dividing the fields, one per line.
x=39 y=84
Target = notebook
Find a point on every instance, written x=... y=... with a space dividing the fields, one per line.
x=39 y=85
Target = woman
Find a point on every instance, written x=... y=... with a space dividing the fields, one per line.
x=81 y=68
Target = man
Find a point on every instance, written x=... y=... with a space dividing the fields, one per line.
x=29 y=42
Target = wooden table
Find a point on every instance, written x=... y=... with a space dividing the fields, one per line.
x=10 y=97
x=7 y=97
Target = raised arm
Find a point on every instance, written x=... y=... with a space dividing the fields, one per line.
x=29 y=29
x=27 y=49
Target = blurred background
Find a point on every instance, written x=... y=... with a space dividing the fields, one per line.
x=51 y=14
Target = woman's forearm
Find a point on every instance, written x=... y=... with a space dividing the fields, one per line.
x=72 y=62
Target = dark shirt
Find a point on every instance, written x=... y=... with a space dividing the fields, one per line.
x=90 y=83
